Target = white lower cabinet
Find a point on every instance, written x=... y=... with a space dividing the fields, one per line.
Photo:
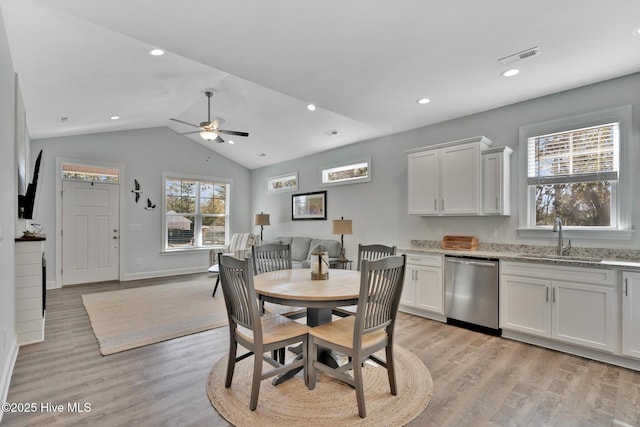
x=570 y=304
x=631 y=314
x=423 y=289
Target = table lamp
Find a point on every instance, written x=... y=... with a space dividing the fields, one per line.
x=342 y=226
x=262 y=219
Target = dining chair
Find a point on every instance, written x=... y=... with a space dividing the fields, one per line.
x=260 y=335
x=372 y=253
x=370 y=330
x=271 y=257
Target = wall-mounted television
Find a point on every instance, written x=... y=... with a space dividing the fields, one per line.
x=27 y=201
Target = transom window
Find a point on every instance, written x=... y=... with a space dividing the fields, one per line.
x=576 y=169
x=196 y=212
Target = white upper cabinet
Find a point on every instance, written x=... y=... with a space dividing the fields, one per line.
x=446 y=179
x=496 y=187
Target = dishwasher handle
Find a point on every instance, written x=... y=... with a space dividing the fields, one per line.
x=474 y=263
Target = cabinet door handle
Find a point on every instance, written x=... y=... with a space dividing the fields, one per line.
x=442 y=203
x=435 y=204
x=553 y=299
x=626 y=287
x=497 y=202
x=547 y=288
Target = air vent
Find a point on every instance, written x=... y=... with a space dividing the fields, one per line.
x=520 y=56
x=332 y=132
x=63 y=119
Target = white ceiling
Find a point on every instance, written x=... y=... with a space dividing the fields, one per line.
x=364 y=63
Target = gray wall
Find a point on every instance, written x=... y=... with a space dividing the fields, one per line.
x=145 y=154
x=8 y=213
x=379 y=208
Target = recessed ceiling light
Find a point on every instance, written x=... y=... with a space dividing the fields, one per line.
x=423 y=100
x=157 y=52
x=637 y=31
x=311 y=107
x=231 y=142
x=114 y=117
x=510 y=73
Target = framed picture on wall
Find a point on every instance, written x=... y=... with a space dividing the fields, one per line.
x=306 y=206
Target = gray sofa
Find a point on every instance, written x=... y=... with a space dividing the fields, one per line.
x=302 y=247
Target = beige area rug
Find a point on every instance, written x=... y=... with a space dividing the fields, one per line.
x=130 y=318
x=331 y=403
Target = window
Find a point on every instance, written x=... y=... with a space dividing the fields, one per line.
x=286 y=182
x=347 y=173
x=78 y=172
x=574 y=172
x=196 y=212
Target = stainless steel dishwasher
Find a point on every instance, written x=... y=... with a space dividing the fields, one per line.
x=471 y=293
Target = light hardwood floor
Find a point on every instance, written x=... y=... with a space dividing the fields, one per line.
x=479 y=380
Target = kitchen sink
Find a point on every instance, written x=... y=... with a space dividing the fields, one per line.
x=560 y=257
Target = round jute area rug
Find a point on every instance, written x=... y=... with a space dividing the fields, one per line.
x=331 y=403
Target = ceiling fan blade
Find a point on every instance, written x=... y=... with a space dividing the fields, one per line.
x=186 y=123
x=190 y=133
x=232 y=132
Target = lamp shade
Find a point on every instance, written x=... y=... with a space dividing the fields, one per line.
x=342 y=226
x=262 y=219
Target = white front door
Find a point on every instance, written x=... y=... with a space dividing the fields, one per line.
x=90 y=232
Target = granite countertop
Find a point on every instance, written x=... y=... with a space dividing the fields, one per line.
x=579 y=257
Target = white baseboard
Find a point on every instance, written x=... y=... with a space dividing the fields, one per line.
x=614 y=359
x=163 y=273
x=7 y=372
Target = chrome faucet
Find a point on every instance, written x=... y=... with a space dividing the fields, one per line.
x=557 y=228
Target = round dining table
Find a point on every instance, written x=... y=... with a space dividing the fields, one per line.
x=296 y=288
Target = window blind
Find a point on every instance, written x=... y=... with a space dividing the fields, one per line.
x=580 y=155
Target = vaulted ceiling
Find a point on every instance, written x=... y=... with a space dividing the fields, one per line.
x=363 y=63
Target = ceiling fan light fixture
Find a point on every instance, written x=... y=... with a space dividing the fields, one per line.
x=208 y=135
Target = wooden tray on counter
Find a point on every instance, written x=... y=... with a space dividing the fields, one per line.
x=460 y=243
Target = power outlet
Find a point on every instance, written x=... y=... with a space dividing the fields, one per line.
x=440 y=231
x=139 y=261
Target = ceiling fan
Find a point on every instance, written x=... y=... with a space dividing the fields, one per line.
x=209 y=130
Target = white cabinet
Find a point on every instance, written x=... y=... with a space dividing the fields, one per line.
x=496 y=187
x=631 y=314
x=571 y=304
x=423 y=289
x=424 y=182
x=29 y=291
x=445 y=179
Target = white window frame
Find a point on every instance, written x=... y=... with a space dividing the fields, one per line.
x=353 y=164
x=197 y=230
x=286 y=177
x=622 y=205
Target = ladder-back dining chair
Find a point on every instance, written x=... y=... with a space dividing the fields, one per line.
x=370 y=330
x=259 y=334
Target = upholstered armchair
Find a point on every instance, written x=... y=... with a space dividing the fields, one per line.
x=239 y=246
